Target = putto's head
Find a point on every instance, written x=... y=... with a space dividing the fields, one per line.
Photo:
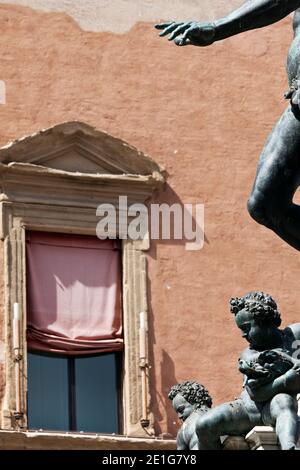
x=189 y=396
x=257 y=317
x=262 y=306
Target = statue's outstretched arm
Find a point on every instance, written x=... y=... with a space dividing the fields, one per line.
x=251 y=15
x=254 y=14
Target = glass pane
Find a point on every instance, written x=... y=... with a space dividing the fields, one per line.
x=48 y=392
x=97 y=394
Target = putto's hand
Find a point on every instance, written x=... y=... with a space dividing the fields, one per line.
x=191 y=32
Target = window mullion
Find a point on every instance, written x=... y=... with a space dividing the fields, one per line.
x=72 y=394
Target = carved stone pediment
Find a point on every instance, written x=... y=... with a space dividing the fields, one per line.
x=76 y=147
x=74 y=164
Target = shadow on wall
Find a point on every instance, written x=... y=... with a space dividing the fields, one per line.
x=166 y=422
x=161 y=400
x=167 y=381
x=185 y=227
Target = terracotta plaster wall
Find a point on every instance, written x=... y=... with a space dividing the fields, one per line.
x=202 y=113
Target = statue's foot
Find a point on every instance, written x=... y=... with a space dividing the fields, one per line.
x=289 y=446
x=292 y=447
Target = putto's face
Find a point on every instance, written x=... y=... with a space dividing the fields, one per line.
x=182 y=407
x=256 y=334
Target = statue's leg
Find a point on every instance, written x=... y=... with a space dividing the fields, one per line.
x=283 y=410
x=229 y=418
x=277 y=179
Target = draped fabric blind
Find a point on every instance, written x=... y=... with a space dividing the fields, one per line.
x=73 y=294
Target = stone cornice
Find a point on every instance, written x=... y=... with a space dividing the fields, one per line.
x=12 y=440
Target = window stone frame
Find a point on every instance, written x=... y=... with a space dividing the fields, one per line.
x=28 y=202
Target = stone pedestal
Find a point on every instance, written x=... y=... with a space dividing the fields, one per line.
x=263 y=438
x=235 y=443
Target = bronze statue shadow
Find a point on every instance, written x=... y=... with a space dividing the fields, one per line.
x=176 y=224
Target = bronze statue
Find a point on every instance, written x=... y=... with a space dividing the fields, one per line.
x=272 y=377
x=266 y=367
x=190 y=400
x=278 y=175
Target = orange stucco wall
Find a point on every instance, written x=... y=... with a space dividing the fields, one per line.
x=202 y=113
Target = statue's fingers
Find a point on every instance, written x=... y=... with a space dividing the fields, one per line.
x=187 y=32
x=262 y=373
x=182 y=42
x=170 y=29
x=163 y=25
x=181 y=29
x=185 y=40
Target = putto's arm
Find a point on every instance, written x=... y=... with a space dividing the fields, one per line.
x=254 y=14
x=181 y=444
x=287 y=383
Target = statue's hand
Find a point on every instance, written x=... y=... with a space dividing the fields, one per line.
x=191 y=32
x=252 y=372
x=286 y=383
x=256 y=383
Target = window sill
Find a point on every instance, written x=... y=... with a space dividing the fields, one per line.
x=45 y=440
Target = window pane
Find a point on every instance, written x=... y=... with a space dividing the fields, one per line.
x=48 y=392
x=97 y=394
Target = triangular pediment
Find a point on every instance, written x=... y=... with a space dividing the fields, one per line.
x=77 y=147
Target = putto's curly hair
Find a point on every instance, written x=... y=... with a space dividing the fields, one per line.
x=262 y=306
x=193 y=392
